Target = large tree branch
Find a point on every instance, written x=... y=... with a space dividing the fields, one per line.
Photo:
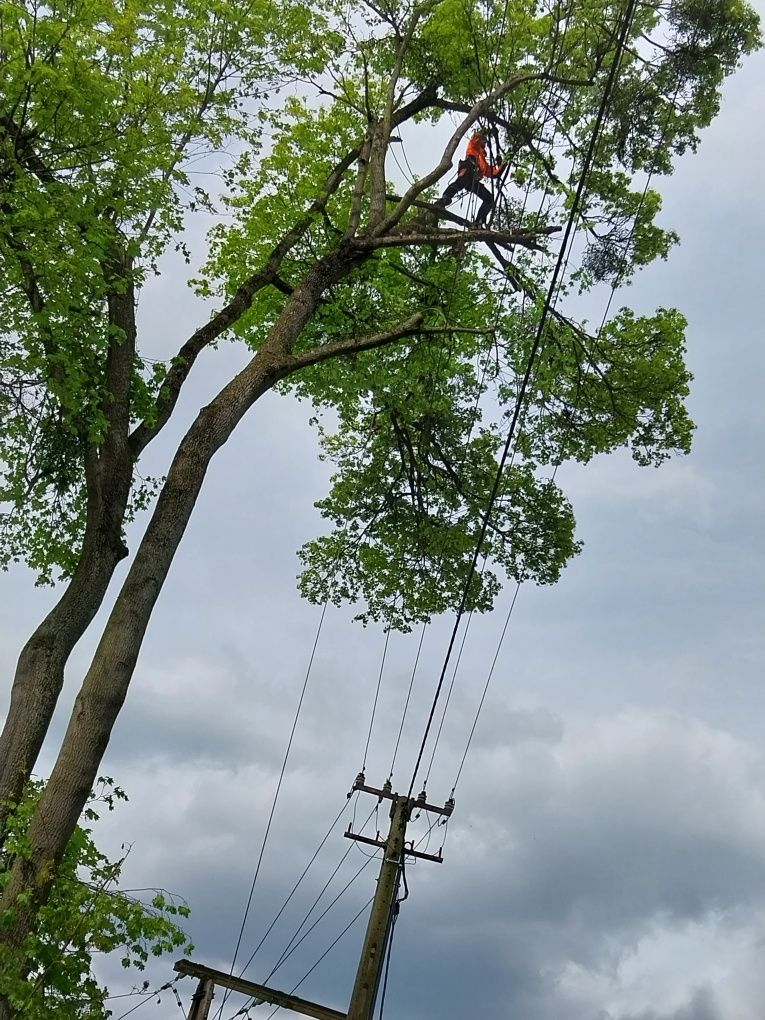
x=118 y=376
x=106 y=682
x=508 y=239
x=23 y=149
x=183 y=362
x=355 y=345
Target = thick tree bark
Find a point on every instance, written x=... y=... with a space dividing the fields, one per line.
x=40 y=669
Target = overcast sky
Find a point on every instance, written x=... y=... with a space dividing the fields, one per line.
x=606 y=859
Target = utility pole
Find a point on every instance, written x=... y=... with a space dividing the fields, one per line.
x=373 y=952
x=395 y=851
x=202 y=999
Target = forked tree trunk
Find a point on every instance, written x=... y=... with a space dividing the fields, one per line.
x=40 y=669
x=108 y=477
x=106 y=683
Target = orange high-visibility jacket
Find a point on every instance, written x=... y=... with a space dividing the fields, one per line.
x=476 y=149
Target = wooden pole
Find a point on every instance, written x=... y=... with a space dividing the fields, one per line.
x=373 y=952
x=202 y=999
x=284 y=999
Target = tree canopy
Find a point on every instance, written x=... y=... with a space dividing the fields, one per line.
x=411 y=333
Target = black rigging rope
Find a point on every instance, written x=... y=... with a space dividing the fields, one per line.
x=506 y=284
x=559 y=460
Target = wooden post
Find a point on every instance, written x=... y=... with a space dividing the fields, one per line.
x=284 y=999
x=373 y=953
x=202 y=999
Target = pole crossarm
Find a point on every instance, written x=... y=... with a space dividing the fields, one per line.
x=272 y=995
x=408 y=850
x=419 y=802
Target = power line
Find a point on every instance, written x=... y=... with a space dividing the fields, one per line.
x=570 y=227
x=377 y=695
x=275 y=801
x=408 y=698
x=293 y=890
x=329 y=948
x=486 y=686
x=286 y=955
x=292 y=945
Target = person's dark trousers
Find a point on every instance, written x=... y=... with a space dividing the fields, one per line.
x=470 y=182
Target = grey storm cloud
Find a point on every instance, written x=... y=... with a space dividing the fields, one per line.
x=701 y=1007
x=569 y=847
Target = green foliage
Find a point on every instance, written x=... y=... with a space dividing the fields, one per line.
x=85 y=917
x=92 y=156
x=101 y=105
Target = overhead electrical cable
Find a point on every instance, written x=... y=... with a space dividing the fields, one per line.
x=286 y=955
x=274 y=802
x=294 y=942
x=570 y=225
x=377 y=695
x=326 y=952
x=408 y=698
x=317 y=900
x=294 y=889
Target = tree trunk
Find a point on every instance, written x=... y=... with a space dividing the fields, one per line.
x=108 y=472
x=106 y=683
x=40 y=669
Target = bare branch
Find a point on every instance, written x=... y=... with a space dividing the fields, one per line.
x=526 y=239
x=355 y=345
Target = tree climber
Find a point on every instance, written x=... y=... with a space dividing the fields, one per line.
x=471 y=171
